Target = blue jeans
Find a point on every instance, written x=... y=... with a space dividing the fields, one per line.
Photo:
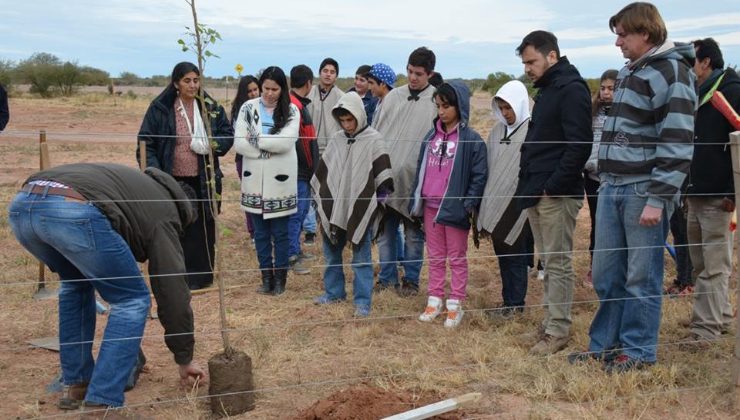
x=309 y=223
x=362 y=269
x=78 y=242
x=296 y=219
x=271 y=235
x=627 y=273
x=388 y=250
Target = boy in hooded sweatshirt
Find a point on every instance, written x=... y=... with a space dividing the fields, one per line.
x=450 y=179
x=351 y=183
x=501 y=215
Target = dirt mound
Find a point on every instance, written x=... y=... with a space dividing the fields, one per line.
x=363 y=402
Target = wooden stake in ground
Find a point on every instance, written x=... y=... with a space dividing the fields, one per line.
x=44 y=163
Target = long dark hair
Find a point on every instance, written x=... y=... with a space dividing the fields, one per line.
x=281 y=115
x=241 y=95
x=596 y=104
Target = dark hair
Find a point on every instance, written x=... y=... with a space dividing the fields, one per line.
x=281 y=115
x=708 y=47
x=342 y=112
x=327 y=61
x=241 y=95
x=641 y=17
x=436 y=79
x=363 y=70
x=610 y=74
x=300 y=75
x=446 y=93
x=542 y=41
x=180 y=70
x=423 y=57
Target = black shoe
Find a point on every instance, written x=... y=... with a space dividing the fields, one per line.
x=309 y=238
x=623 y=364
x=268 y=282
x=606 y=356
x=408 y=289
x=281 y=277
x=504 y=313
x=380 y=286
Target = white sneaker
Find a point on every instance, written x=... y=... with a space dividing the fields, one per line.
x=541 y=275
x=454 y=313
x=433 y=309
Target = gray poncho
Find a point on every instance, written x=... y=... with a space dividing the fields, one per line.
x=320 y=112
x=350 y=172
x=404 y=123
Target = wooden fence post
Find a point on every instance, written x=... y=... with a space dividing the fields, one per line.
x=735 y=151
x=44 y=163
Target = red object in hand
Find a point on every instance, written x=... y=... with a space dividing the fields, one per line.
x=720 y=103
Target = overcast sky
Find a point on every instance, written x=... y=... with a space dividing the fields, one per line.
x=471 y=38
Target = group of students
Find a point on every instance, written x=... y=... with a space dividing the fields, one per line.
x=407 y=156
x=401 y=166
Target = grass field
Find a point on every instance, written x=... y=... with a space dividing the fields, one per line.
x=302 y=353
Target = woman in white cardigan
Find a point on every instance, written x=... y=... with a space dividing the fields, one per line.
x=266 y=131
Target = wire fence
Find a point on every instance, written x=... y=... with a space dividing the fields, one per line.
x=211 y=332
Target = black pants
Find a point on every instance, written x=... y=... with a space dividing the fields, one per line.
x=591 y=188
x=512 y=259
x=198 y=241
x=680 y=241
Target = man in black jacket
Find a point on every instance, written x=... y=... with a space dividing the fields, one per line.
x=90 y=223
x=557 y=146
x=711 y=197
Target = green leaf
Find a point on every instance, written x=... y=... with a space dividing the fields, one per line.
x=181 y=42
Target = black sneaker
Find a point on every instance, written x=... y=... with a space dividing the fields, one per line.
x=623 y=364
x=585 y=356
x=504 y=313
x=309 y=239
x=380 y=286
x=408 y=289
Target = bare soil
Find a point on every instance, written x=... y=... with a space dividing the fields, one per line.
x=303 y=354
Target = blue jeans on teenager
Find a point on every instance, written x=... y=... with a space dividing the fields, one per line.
x=362 y=269
x=78 y=242
x=388 y=250
x=296 y=219
x=271 y=236
x=627 y=273
x=309 y=222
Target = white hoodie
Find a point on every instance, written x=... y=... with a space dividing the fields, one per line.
x=504 y=144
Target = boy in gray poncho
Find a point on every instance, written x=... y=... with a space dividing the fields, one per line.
x=352 y=181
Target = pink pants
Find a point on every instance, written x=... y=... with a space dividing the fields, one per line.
x=443 y=243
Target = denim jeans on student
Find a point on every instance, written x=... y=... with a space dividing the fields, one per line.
x=78 y=242
x=296 y=219
x=309 y=222
x=271 y=236
x=413 y=250
x=362 y=269
x=627 y=273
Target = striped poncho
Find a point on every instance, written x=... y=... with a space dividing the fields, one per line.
x=350 y=173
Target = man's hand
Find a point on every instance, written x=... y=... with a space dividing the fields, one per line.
x=727 y=205
x=191 y=373
x=651 y=216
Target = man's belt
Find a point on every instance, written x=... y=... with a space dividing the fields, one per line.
x=43 y=189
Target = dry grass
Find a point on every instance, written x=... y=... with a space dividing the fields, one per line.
x=302 y=352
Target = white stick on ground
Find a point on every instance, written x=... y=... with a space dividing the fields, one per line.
x=436 y=408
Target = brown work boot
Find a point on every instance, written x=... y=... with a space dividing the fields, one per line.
x=72 y=396
x=694 y=342
x=549 y=344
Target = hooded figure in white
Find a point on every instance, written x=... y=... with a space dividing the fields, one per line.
x=504 y=144
x=354 y=171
